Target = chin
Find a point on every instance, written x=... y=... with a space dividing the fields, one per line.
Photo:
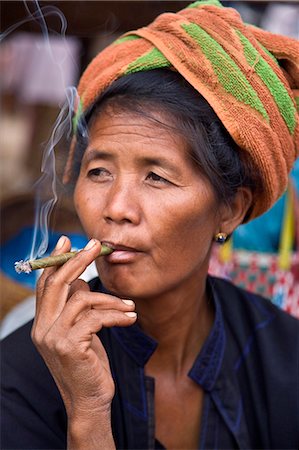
x=121 y=282
x=119 y=288
x=126 y=290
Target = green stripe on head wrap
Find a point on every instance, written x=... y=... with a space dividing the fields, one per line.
x=150 y=60
x=130 y=37
x=206 y=3
x=77 y=117
x=228 y=73
x=271 y=80
x=238 y=94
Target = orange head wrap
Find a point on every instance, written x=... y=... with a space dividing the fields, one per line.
x=250 y=77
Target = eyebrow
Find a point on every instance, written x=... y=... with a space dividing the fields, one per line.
x=96 y=154
x=160 y=161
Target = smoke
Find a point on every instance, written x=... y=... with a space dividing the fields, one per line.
x=39 y=16
x=46 y=187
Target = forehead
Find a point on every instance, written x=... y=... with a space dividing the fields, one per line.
x=150 y=130
x=145 y=118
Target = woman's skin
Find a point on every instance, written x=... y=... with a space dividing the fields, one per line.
x=139 y=192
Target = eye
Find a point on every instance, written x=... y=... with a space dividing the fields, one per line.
x=156 y=178
x=99 y=174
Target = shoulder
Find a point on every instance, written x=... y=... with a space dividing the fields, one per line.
x=235 y=300
x=262 y=347
x=251 y=315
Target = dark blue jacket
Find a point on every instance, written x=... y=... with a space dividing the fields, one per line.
x=248 y=368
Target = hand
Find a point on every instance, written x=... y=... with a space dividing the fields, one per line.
x=68 y=316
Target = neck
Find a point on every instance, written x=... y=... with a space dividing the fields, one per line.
x=180 y=322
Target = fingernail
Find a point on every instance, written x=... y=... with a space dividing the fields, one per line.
x=90 y=244
x=128 y=302
x=60 y=242
x=131 y=314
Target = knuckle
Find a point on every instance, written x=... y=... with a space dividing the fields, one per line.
x=80 y=296
x=49 y=341
x=35 y=333
x=43 y=341
x=50 y=281
x=37 y=337
x=93 y=315
x=95 y=318
x=63 y=347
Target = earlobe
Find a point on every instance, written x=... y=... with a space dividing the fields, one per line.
x=234 y=213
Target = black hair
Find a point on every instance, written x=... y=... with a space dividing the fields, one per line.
x=211 y=146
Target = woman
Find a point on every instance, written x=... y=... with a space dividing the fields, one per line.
x=170 y=155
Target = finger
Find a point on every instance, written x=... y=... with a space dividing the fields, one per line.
x=93 y=321
x=57 y=285
x=79 y=286
x=63 y=245
x=73 y=268
x=68 y=341
x=83 y=301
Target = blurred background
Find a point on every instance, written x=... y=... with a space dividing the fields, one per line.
x=39 y=60
x=45 y=46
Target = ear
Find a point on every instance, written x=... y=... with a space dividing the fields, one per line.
x=233 y=214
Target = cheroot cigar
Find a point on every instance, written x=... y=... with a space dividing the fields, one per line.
x=50 y=261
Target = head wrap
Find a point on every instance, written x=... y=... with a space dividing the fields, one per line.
x=250 y=77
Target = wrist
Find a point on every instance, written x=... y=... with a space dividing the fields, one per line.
x=90 y=431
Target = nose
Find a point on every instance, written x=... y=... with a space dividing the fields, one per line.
x=122 y=203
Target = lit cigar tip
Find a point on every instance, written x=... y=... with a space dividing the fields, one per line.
x=23 y=266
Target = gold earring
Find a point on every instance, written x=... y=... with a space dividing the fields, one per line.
x=220 y=238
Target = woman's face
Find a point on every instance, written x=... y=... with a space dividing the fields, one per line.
x=139 y=191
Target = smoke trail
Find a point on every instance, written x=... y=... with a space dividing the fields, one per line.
x=39 y=15
x=46 y=189
x=46 y=186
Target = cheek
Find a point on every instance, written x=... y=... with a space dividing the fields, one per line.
x=185 y=236
x=191 y=220
x=85 y=206
x=190 y=245
x=183 y=240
